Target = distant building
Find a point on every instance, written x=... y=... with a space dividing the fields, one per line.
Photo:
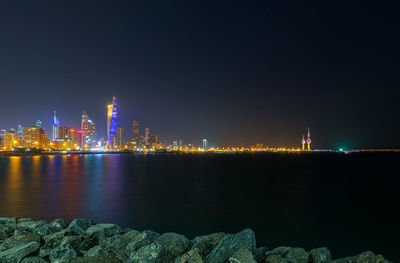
x=32 y=137
x=55 y=124
x=135 y=130
x=2 y=137
x=153 y=139
x=147 y=138
x=111 y=121
x=119 y=139
x=88 y=129
x=20 y=132
x=11 y=140
x=205 y=143
x=175 y=144
x=38 y=123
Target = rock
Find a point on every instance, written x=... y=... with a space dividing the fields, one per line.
x=20 y=232
x=9 y=221
x=72 y=241
x=152 y=253
x=98 y=251
x=55 y=226
x=94 y=260
x=28 y=224
x=44 y=252
x=87 y=243
x=205 y=244
x=16 y=254
x=143 y=239
x=243 y=255
x=320 y=255
x=368 y=257
x=116 y=245
x=34 y=260
x=281 y=251
x=230 y=244
x=192 y=256
x=259 y=254
x=55 y=239
x=297 y=255
x=275 y=258
x=173 y=244
x=80 y=225
x=103 y=230
x=19 y=240
x=62 y=254
x=5 y=231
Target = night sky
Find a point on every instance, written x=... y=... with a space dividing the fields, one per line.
x=230 y=71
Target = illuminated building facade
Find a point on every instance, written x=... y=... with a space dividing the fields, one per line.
x=55 y=124
x=303 y=142
x=38 y=123
x=84 y=127
x=88 y=129
x=11 y=140
x=111 y=121
x=205 y=144
x=32 y=137
x=147 y=139
x=135 y=131
x=119 y=139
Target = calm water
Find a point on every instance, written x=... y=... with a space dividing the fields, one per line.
x=347 y=202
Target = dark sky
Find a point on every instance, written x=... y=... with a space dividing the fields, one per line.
x=230 y=71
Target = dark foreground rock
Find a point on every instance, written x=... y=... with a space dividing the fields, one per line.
x=24 y=240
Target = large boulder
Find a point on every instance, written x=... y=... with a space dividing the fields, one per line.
x=297 y=255
x=275 y=259
x=103 y=230
x=55 y=226
x=34 y=260
x=98 y=251
x=116 y=245
x=72 y=241
x=320 y=255
x=62 y=254
x=230 y=244
x=259 y=254
x=79 y=225
x=243 y=255
x=364 y=257
x=205 y=244
x=19 y=240
x=277 y=255
x=143 y=239
x=16 y=254
x=55 y=239
x=173 y=244
x=28 y=224
x=9 y=221
x=5 y=231
x=192 y=256
x=152 y=253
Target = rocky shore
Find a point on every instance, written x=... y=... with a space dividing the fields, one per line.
x=83 y=241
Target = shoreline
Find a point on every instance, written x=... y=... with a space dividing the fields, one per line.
x=83 y=241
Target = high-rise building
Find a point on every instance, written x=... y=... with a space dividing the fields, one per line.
x=205 y=143
x=91 y=134
x=20 y=132
x=32 y=137
x=84 y=127
x=147 y=137
x=111 y=121
x=64 y=134
x=38 y=123
x=55 y=125
x=135 y=131
x=308 y=141
x=119 y=139
x=2 y=137
x=11 y=140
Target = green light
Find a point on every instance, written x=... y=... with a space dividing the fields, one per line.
x=341 y=149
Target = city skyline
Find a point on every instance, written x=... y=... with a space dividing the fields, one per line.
x=232 y=72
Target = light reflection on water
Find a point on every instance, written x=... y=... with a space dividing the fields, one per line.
x=307 y=201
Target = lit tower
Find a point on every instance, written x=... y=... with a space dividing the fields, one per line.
x=111 y=121
x=302 y=143
x=84 y=127
x=55 y=125
x=308 y=141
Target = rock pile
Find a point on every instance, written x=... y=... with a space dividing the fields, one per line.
x=83 y=241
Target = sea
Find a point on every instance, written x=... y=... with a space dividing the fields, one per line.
x=346 y=202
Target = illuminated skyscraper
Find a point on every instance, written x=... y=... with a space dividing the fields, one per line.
x=135 y=131
x=91 y=133
x=111 y=121
x=302 y=143
x=84 y=127
x=205 y=143
x=147 y=137
x=119 y=139
x=10 y=140
x=55 y=125
x=308 y=141
x=32 y=137
x=38 y=123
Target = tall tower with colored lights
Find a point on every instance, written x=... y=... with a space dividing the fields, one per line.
x=55 y=125
x=111 y=121
x=308 y=141
x=302 y=143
